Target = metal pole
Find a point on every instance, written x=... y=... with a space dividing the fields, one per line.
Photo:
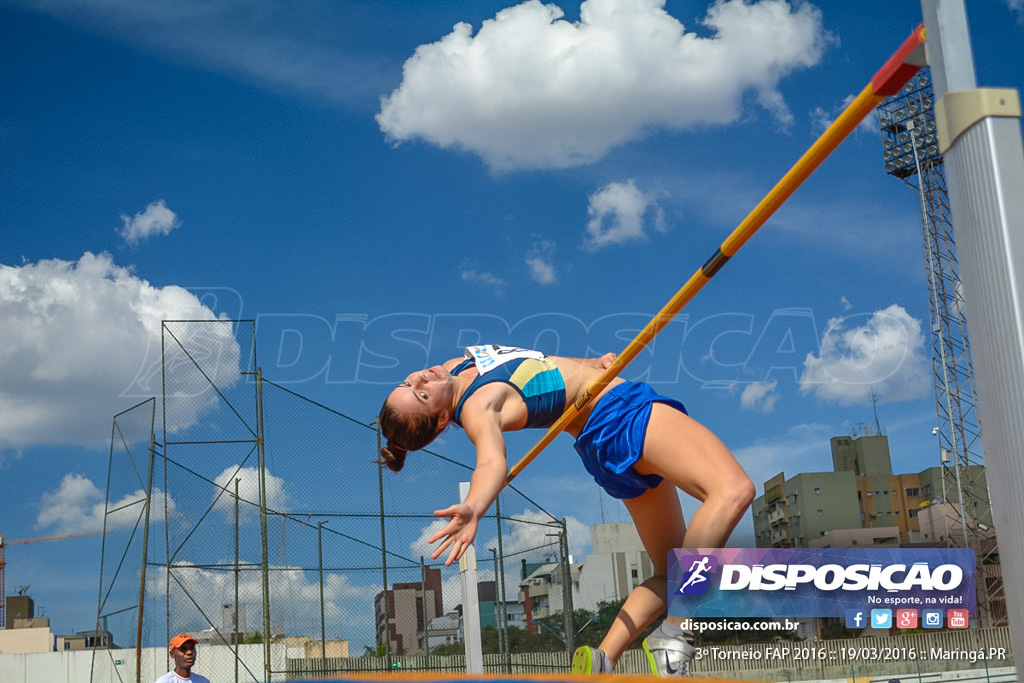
x=567 y=607
x=980 y=140
x=383 y=550
x=167 y=487
x=320 y=556
x=426 y=616
x=235 y=635
x=497 y=599
x=502 y=632
x=264 y=558
x=887 y=81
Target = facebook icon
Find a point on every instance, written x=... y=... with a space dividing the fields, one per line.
x=855 y=618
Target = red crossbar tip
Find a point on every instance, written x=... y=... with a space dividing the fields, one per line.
x=899 y=69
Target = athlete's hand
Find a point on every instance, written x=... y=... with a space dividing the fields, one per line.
x=605 y=361
x=458 y=533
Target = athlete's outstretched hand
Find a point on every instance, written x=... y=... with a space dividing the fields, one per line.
x=458 y=533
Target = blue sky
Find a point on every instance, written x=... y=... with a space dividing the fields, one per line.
x=437 y=173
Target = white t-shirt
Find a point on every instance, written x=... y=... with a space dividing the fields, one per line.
x=171 y=677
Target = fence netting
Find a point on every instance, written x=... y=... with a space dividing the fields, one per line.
x=271 y=521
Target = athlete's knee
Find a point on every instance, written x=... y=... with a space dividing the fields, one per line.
x=738 y=493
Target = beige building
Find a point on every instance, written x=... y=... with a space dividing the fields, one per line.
x=410 y=607
x=860 y=493
x=16 y=640
x=885 y=537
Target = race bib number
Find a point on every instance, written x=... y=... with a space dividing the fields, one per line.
x=489 y=356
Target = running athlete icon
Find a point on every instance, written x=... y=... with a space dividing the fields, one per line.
x=697 y=570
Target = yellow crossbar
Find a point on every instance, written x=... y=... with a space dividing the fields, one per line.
x=887 y=81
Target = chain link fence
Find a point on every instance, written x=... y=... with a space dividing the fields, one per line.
x=270 y=521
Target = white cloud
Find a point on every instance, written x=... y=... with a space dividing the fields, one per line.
x=759 y=396
x=484 y=278
x=529 y=533
x=294 y=598
x=77 y=507
x=76 y=336
x=248 y=489
x=157 y=219
x=822 y=118
x=884 y=353
x=540 y=259
x=800 y=449
x=525 y=537
x=617 y=213
x=533 y=90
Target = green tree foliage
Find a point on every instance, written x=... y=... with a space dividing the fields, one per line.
x=833 y=628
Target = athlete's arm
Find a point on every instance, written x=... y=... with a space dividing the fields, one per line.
x=602 y=363
x=483 y=424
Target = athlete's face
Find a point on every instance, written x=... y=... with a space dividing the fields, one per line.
x=428 y=392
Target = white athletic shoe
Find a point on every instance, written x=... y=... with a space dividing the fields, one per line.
x=590 y=660
x=669 y=655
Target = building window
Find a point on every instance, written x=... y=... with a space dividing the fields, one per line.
x=928 y=490
x=817 y=491
x=913 y=493
x=912 y=513
x=869 y=493
x=820 y=513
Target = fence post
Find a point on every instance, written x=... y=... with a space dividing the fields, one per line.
x=234 y=629
x=265 y=559
x=383 y=551
x=320 y=558
x=502 y=633
x=426 y=615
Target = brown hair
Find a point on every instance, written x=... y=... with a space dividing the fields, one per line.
x=413 y=432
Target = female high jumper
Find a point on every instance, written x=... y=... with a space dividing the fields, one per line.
x=639 y=446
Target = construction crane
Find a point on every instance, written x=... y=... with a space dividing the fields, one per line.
x=22 y=541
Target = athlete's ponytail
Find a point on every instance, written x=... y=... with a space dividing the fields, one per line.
x=412 y=431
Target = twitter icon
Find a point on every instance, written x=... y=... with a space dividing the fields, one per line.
x=881 y=618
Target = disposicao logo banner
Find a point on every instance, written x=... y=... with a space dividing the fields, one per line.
x=817 y=582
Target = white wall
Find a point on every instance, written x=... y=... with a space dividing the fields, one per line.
x=216 y=662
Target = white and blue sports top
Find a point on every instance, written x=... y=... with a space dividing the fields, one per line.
x=531 y=373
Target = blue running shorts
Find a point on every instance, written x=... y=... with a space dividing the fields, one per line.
x=612 y=440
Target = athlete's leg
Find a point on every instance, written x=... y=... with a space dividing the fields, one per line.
x=688 y=455
x=659 y=521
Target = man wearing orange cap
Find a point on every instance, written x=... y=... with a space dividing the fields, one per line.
x=183 y=652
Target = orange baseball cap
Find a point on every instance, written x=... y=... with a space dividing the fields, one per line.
x=181 y=639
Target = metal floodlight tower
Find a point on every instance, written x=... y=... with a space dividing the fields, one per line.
x=911 y=153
